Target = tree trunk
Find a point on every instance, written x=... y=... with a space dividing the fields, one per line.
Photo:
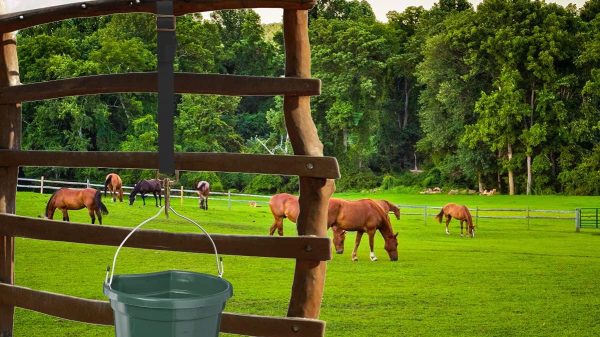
x=511 y=181
x=345 y=132
x=480 y=183
x=499 y=174
x=406 y=94
x=528 y=174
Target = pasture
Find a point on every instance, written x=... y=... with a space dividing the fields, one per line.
x=508 y=281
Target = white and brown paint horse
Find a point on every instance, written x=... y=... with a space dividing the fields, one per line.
x=203 y=190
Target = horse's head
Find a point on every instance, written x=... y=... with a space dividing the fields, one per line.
x=391 y=246
x=339 y=236
x=131 y=198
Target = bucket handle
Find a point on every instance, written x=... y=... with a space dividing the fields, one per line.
x=108 y=280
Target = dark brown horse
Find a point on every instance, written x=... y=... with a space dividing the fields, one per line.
x=114 y=184
x=458 y=212
x=146 y=186
x=203 y=190
x=71 y=198
x=361 y=216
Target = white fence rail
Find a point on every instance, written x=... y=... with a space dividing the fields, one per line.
x=406 y=210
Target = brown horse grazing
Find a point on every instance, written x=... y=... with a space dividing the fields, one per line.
x=114 y=183
x=146 y=186
x=458 y=212
x=67 y=198
x=203 y=190
x=283 y=205
x=389 y=207
x=361 y=216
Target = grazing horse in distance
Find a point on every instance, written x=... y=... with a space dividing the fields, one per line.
x=114 y=183
x=283 y=205
x=361 y=216
x=458 y=212
x=146 y=186
x=71 y=198
x=203 y=190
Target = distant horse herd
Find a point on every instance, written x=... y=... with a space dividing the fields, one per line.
x=360 y=216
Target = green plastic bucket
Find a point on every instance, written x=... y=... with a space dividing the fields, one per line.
x=169 y=303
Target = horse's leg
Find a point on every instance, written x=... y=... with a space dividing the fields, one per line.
x=159 y=198
x=448 y=218
x=50 y=214
x=155 y=199
x=121 y=194
x=113 y=192
x=206 y=202
x=356 y=244
x=461 y=227
x=277 y=225
x=65 y=214
x=144 y=199
x=371 y=244
x=91 y=213
x=99 y=214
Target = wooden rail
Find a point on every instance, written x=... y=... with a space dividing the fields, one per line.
x=19 y=20
x=308 y=166
x=301 y=247
x=100 y=312
x=213 y=84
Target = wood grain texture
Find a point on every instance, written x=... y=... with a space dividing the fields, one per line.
x=100 y=312
x=303 y=248
x=309 y=276
x=309 y=166
x=20 y=20
x=214 y=84
x=10 y=138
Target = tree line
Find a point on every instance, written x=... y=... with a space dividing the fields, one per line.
x=503 y=96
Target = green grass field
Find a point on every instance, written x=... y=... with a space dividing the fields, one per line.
x=511 y=280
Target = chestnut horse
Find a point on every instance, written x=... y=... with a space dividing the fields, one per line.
x=389 y=207
x=458 y=212
x=71 y=198
x=146 y=186
x=114 y=183
x=362 y=216
x=284 y=205
x=366 y=217
x=203 y=190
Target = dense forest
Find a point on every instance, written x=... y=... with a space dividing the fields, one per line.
x=504 y=96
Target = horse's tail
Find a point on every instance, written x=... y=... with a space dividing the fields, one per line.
x=469 y=218
x=99 y=204
x=50 y=202
x=106 y=182
x=440 y=215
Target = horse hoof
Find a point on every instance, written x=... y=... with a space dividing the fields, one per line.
x=354 y=259
x=374 y=259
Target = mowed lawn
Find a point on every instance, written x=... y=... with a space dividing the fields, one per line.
x=511 y=280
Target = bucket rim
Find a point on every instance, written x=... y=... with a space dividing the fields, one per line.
x=146 y=301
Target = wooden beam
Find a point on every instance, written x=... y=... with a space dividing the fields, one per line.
x=303 y=248
x=100 y=312
x=24 y=19
x=212 y=84
x=323 y=167
x=309 y=276
x=10 y=138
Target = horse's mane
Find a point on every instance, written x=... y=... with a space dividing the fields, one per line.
x=383 y=215
x=50 y=200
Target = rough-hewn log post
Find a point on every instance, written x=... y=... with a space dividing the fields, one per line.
x=309 y=277
x=10 y=138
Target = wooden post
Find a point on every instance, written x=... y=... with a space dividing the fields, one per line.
x=477 y=216
x=527 y=217
x=309 y=276
x=181 y=195
x=10 y=138
x=229 y=200
x=42 y=185
x=87 y=183
x=425 y=215
x=577 y=220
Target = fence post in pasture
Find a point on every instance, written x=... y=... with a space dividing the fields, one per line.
x=577 y=219
x=42 y=185
x=425 y=215
x=476 y=215
x=527 y=217
x=229 y=200
x=87 y=183
x=181 y=195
